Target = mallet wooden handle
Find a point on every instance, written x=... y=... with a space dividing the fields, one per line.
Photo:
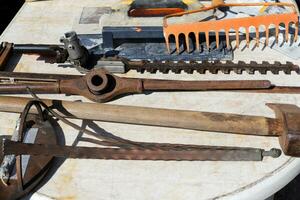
x=205 y=121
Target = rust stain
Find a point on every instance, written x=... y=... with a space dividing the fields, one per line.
x=67 y=198
x=65 y=180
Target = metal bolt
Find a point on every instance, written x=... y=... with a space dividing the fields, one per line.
x=274 y=153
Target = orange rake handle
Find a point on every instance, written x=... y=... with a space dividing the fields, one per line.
x=153 y=12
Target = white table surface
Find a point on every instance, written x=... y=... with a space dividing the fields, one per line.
x=47 y=21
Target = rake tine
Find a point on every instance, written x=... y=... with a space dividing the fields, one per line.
x=207 y=39
x=167 y=44
x=177 y=43
x=227 y=39
x=237 y=38
x=197 y=41
x=247 y=37
x=257 y=36
x=267 y=36
x=187 y=43
x=287 y=28
x=217 y=39
x=276 y=33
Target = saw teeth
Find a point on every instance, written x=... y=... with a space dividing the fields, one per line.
x=201 y=71
x=274 y=71
x=250 y=71
x=263 y=71
x=215 y=67
x=238 y=71
x=234 y=24
x=177 y=71
x=189 y=71
x=226 y=71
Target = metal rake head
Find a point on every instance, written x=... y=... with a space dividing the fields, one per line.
x=192 y=30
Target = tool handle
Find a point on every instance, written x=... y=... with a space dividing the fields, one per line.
x=36 y=87
x=204 y=121
x=5 y=52
x=155 y=84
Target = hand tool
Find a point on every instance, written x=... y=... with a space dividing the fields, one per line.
x=192 y=29
x=100 y=86
x=285 y=126
x=29 y=154
x=73 y=53
x=54 y=51
x=20 y=175
x=191 y=154
x=123 y=65
x=158 y=8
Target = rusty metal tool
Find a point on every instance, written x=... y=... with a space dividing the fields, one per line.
x=127 y=149
x=19 y=175
x=200 y=67
x=51 y=51
x=100 y=86
x=30 y=154
x=285 y=126
x=72 y=51
x=190 y=154
x=192 y=29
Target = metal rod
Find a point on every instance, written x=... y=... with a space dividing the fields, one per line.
x=197 y=154
x=155 y=84
x=35 y=76
x=43 y=49
x=37 y=87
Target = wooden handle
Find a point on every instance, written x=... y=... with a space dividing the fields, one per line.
x=228 y=123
